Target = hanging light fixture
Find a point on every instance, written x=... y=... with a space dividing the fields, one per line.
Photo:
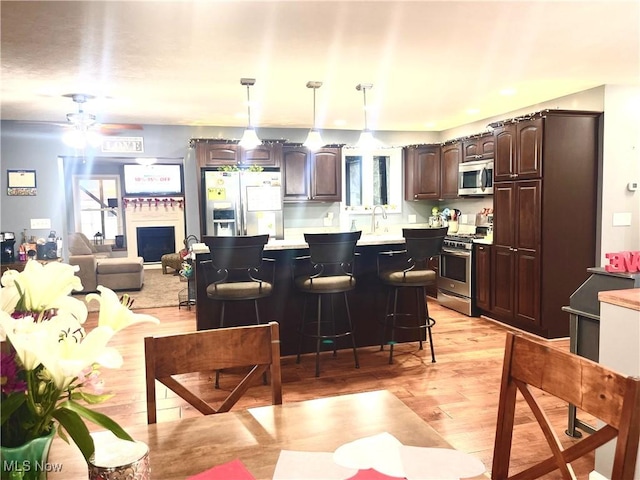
x=366 y=140
x=249 y=138
x=83 y=125
x=314 y=140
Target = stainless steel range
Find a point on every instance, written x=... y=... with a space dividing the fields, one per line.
x=456 y=289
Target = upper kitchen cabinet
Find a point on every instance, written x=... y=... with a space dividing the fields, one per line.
x=451 y=155
x=311 y=176
x=478 y=147
x=518 y=150
x=215 y=153
x=422 y=172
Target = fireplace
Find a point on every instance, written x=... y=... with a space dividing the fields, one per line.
x=153 y=242
x=144 y=215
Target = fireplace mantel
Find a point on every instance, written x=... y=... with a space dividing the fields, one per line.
x=151 y=212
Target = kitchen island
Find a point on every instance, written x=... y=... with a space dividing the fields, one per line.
x=367 y=302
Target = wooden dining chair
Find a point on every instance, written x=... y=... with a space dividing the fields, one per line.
x=593 y=388
x=256 y=346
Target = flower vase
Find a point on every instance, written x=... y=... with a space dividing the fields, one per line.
x=28 y=461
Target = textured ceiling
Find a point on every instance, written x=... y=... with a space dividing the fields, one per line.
x=430 y=62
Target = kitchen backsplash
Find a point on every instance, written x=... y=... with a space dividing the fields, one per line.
x=327 y=217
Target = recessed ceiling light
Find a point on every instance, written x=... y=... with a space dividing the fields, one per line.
x=473 y=111
x=430 y=124
x=508 y=91
x=340 y=123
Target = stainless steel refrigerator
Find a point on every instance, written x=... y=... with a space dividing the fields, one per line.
x=243 y=202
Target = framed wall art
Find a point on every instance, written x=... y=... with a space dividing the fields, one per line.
x=21 y=182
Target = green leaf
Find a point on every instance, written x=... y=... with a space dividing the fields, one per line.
x=11 y=404
x=90 y=398
x=77 y=430
x=97 y=418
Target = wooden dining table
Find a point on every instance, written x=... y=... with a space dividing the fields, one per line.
x=256 y=436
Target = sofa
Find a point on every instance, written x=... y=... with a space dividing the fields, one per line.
x=99 y=267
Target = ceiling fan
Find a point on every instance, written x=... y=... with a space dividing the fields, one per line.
x=83 y=127
x=84 y=121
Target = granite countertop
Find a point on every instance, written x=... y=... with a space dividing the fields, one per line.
x=629 y=298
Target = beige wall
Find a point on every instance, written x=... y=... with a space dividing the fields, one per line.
x=621 y=165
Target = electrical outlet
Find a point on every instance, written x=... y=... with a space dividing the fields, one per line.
x=41 y=223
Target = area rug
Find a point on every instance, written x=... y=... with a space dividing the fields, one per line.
x=158 y=290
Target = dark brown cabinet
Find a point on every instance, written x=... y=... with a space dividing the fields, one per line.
x=518 y=150
x=216 y=154
x=422 y=172
x=311 y=176
x=540 y=256
x=483 y=277
x=451 y=155
x=479 y=147
x=516 y=238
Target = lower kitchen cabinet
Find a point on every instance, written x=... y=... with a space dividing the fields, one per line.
x=483 y=277
x=515 y=281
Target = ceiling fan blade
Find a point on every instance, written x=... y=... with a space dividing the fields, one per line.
x=120 y=126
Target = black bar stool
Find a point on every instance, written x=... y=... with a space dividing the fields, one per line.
x=237 y=272
x=409 y=268
x=326 y=271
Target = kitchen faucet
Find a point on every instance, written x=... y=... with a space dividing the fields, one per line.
x=373 y=216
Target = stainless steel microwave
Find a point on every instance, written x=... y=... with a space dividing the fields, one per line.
x=475 y=178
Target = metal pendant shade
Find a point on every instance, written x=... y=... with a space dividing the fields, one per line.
x=366 y=140
x=249 y=138
x=314 y=140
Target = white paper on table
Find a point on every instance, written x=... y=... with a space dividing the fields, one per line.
x=422 y=463
x=380 y=452
x=293 y=465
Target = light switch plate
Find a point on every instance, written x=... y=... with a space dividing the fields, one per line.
x=40 y=223
x=622 y=219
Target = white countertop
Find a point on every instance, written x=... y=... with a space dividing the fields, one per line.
x=298 y=242
x=483 y=241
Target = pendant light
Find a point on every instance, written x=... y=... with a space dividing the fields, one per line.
x=249 y=138
x=314 y=140
x=366 y=140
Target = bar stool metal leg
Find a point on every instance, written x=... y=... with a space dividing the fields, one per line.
x=420 y=307
x=319 y=336
x=302 y=327
x=353 y=338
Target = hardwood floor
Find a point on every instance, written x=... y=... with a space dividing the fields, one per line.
x=457 y=396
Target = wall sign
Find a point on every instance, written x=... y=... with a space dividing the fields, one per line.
x=623 y=262
x=123 y=145
x=21 y=182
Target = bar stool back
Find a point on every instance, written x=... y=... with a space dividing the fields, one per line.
x=410 y=269
x=327 y=270
x=237 y=272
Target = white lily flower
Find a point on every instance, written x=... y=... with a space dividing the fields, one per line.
x=67 y=351
x=25 y=335
x=9 y=296
x=114 y=314
x=42 y=285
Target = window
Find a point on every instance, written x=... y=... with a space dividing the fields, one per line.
x=96 y=200
x=373 y=178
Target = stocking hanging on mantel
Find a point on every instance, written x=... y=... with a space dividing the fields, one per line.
x=153 y=202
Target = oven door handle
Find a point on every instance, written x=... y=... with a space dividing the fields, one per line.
x=456 y=253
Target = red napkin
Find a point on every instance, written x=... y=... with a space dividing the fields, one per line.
x=371 y=474
x=234 y=470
